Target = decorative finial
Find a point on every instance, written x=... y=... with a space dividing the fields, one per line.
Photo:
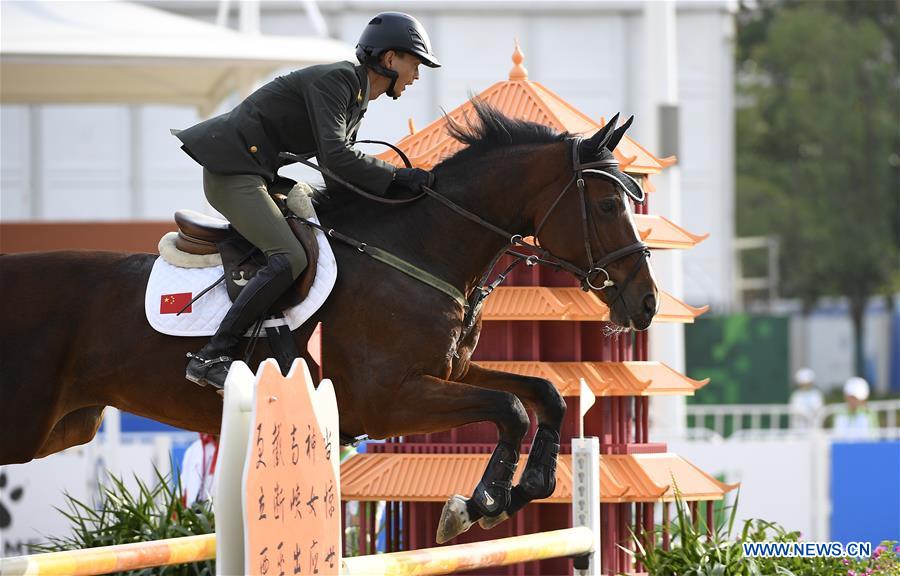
x=518 y=71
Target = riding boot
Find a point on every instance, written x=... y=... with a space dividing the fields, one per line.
x=210 y=365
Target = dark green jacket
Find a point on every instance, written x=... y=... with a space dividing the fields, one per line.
x=315 y=110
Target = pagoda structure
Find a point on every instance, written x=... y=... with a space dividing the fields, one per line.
x=540 y=323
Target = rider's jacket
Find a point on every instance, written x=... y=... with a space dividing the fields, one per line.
x=316 y=110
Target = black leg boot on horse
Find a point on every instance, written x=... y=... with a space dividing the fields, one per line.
x=210 y=365
x=538 y=480
x=489 y=500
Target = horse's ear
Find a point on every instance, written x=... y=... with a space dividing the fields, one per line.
x=595 y=143
x=618 y=133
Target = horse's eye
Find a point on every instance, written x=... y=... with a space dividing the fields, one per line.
x=608 y=205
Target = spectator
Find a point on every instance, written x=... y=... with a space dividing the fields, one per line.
x=198 y=468
x=856 y=421
x=806 y=400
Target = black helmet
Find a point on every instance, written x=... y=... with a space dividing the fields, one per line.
x=395 y=31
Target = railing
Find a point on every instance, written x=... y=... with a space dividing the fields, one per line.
x=717 y=421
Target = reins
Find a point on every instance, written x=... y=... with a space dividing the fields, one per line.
x=473 y=304
x=392 y=260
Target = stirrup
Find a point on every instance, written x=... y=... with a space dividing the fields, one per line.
x=204 y=367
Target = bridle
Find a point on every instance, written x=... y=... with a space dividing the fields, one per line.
x=606 y=167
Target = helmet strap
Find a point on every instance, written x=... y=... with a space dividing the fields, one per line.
x=389 y=74
x=390 y=90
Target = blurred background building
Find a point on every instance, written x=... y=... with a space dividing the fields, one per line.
x=119 y=162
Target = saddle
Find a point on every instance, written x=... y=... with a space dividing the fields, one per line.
x=204 y=235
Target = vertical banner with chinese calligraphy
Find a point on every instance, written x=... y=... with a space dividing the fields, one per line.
x=291 y=476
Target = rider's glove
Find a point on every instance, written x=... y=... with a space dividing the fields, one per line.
x=413 y=178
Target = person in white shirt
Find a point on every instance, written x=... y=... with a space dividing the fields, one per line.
x=806 y=401
x=856 y=421
x=198 y=468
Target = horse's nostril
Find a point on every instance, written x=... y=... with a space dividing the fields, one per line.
x=650 y=304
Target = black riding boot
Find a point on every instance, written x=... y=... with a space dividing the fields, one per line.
x=210 y=364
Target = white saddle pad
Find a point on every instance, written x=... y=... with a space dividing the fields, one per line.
x=171 y=287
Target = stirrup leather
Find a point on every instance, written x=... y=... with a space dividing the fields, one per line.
x=204 y=363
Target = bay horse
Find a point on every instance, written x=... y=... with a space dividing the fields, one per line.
x=75 y=338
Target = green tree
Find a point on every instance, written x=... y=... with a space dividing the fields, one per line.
x=818 y=146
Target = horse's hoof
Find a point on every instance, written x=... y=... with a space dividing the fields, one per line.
x=487 y=522
x=454 y=519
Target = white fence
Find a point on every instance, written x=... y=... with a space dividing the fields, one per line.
x=719 y=421
x=784 y=469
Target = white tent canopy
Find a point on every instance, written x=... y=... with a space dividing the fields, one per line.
x=117 y=52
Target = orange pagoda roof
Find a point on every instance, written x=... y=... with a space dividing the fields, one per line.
x=545 y=303
x=605 y=378
x=435 y=477
x=524 y=99
x=660 y=232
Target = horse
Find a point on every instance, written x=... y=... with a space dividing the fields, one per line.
x=75 y=338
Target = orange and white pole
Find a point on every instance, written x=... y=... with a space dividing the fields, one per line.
x=450 y=559
x=122 y=557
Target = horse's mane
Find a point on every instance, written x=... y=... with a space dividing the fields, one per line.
x=488 y=132
x=493 y=130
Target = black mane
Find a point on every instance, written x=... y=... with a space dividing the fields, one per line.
x=489 y=131
x=494 y=130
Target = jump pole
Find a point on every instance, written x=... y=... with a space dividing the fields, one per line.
x=117 y=558
x=450 y=559
x=429 y=561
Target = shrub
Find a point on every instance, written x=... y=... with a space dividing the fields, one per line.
x=693 y=553
x=121 y=517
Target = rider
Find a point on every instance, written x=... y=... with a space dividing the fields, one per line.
x=316 y=110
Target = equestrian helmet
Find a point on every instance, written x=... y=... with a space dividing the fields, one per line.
x=395 y=31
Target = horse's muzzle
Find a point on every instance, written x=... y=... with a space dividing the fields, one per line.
x=648 y=308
